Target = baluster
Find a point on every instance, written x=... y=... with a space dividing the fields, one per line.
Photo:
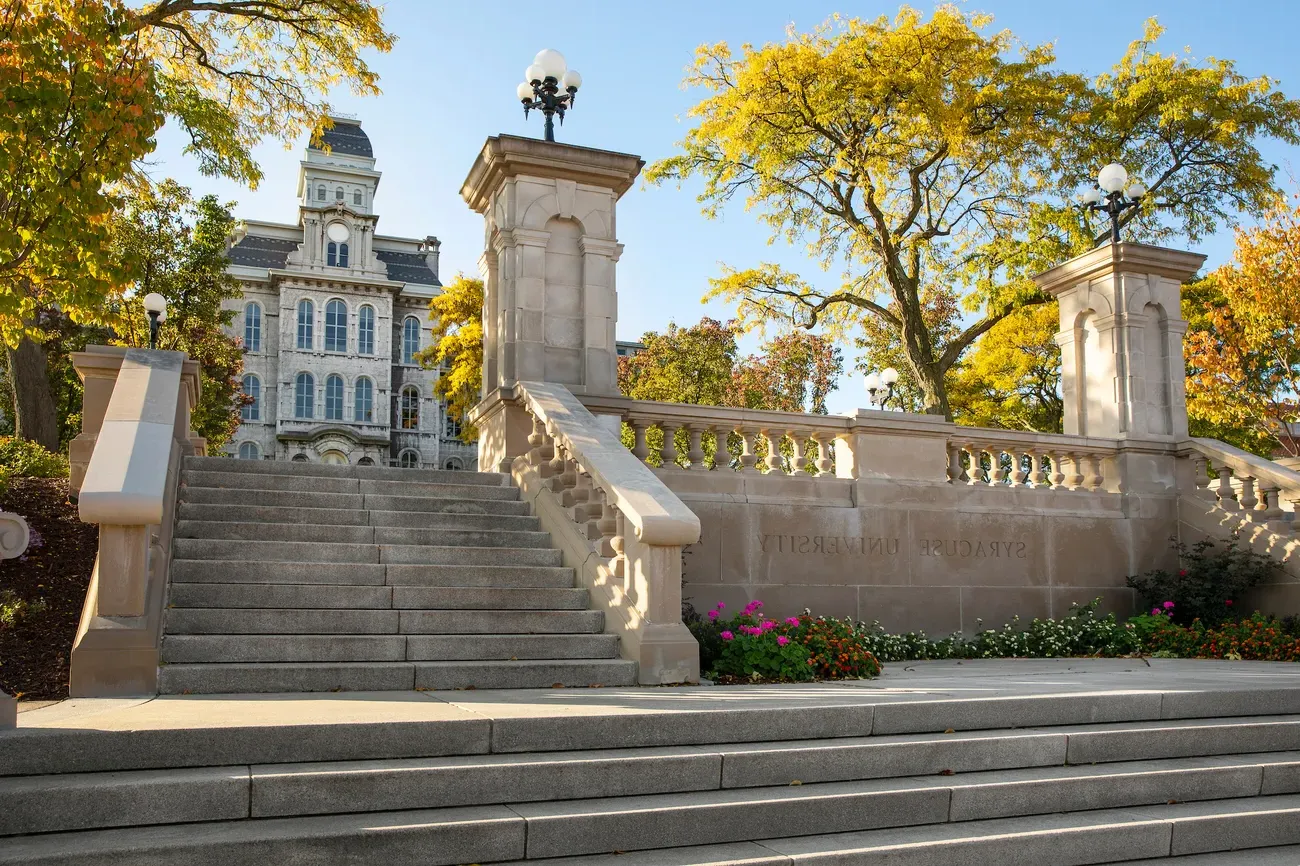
x=773 y=439
x=825 y=465
x=721 y=456
x=1248 y=499
x=1272 y=511
x=1058 y=476
x=669 y=453
x=797 y=459
x=975 y=472
x=954 y=463
x=696 y=454
x=640 y=447
x=594 y=508
x=577 y=492
x=747 y=456
x=1201 y=472
x=536 y=440
x=566 y=481
x=608 y=526
x=1037 y=477
x=1018 y=473
x=1224 y=493
x=619 y=563
x=555 y=466
x=1075 y=481
x=1095 y=478
x=996 y=473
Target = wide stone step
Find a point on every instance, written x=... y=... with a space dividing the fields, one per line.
x=436 y=520
x=273 y=551
x=476 y=492
x=270 y=498
x=430 y=838
x=272 y=514
x=231 y=530
x=257 y=677
x=279 y=595
x=503 y=576
x=237 y=571
x=487 y=598
x=418 y=554
x=196 y=620
x=475 y=647
x=1284 y=855
x=322 y=470
x=255 y=482
x=228 y=648
x=232 y=648
x=442 y=505
x=467 y=537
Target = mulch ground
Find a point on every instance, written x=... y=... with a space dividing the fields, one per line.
x=54 y=572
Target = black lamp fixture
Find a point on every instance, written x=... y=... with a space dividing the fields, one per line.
x=880 y=386
x=549 y=86
x=156 y=306
x=1117 y=194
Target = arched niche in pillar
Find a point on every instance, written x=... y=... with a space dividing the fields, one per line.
x=1155 y=370
x=1091 y=369
x=563 y=301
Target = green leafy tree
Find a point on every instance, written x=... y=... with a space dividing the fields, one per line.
x=180 y=244
x=922 y=153
x=682 y=365
x=1012 y=377
x=794 y=372
x=457 y=348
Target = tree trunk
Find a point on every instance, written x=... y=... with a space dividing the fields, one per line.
x=35 y=416
x=933 y=390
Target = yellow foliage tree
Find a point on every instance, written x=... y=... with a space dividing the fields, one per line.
x=1012 y=378
x=457 y=348
x=1243 y=342
x=920 y=153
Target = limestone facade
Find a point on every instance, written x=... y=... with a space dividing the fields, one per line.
x=331 y=316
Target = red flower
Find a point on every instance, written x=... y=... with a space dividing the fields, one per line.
x=1182 y=573
x=1228 y=602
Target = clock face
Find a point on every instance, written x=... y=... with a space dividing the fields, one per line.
x=337 y=232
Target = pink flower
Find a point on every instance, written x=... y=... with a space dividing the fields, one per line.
x=1228 y=602
x=1169 y=605
x=792 y=620
x=758 y=604
x=726 y=635
x=713 y=614
x=782 y=640
x=755 y=631
x=769 y=624
x=721 y=605
x=1155 y=611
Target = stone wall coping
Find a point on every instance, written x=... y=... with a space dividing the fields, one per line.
x=657 y=516
x=1267 y=472
x=1124 y=257
x=507 y=156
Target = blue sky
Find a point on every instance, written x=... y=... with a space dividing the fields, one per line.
x=450 y=82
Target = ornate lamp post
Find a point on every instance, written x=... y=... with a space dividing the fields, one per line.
x=156 y=306
x=885 y=381
x=1117 y=194
x=549 y=86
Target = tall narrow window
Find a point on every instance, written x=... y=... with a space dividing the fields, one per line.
x=366 y=330
x=334 y=398
x=409 y=460
x=304 y=396
x=336 y=326
x=343 y=255
x=332 y=255
x=253 y=327
x=338 y=193
x=356 y=196
x=306 y=320
x=451 y=427
x=252 y=387
x=410 y=339
x=320 y=193
x=363 y=409
x=250 y=451
x=410 y=410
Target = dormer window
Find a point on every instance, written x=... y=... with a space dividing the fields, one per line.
x=338 y=194
x=336 y=255
x=320 y=193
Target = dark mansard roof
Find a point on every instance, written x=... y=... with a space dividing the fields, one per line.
x=347 y=138
x=257 y=251
x=407 y=267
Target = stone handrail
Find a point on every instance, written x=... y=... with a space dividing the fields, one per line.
x=1246 y=483
x=859 y=446
x=616 y=522
x=135 y=432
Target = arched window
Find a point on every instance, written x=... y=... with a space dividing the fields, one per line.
x=343 y=255
x=338 y=193
x=356 y=196
x=365 y=461
x=363 y=409
x=333 y=397
x=366 y=330
x=304 y=396
x=253 y=327
x=332 y=255
x=410 y=339
x=302 y=458
x=306 y=321
x=250 y=451
x=408 y=460
x=451 y=426
x=410 y=410
x=336 y=326
x=453 y=464
x=252 y=386
x=320 y=196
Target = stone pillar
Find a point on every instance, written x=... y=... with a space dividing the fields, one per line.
x=550 y=298
x=1121 y=339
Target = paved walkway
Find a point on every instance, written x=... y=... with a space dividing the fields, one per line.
x=902 y=682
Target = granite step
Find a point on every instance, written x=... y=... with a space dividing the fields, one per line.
x=428 y=554
x=350 y=501
x=242 y=648
x=255 y=483
x=413 y=503
x=273 y=551
x=239 y=571
x=498 y=576
x=198 y=511
x=487 y=598
x=474 y=647
x=439 y=491
x=435 y=520
x=322 y=470
x=449 y=622
x=232 y=530
x=495 y=537
x=279 y=595
x=289 y=621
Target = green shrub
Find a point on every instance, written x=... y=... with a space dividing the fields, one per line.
x=1211 y=578
x=20 y=458
x=1258 y=637
x=13 y=608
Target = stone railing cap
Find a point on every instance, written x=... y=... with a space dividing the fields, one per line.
x=1124 y=257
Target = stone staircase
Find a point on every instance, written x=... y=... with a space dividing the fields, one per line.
x=298 y=577
x=1085 y=779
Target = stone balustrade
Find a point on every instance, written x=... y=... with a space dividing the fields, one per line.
x=982 y=457
x=617 y=524
x=1243 y=483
